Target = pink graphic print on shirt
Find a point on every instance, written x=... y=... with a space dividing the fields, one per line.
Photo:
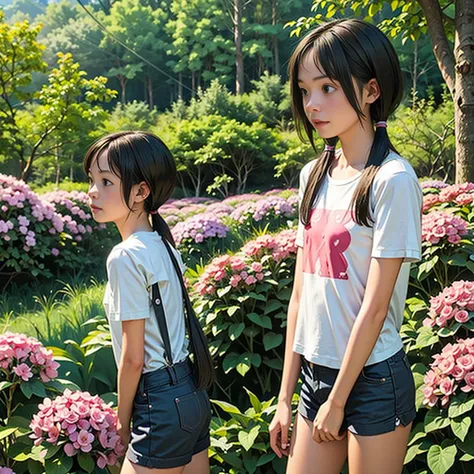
x=325 y=239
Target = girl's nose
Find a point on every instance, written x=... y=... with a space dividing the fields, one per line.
x=92 y=191
x=313 y=103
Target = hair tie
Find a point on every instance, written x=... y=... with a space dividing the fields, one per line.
x=154 y=212
x=381 y=124
x=329 y=148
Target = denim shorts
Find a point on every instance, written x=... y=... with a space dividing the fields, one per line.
x=382 y=397
x=170 y=419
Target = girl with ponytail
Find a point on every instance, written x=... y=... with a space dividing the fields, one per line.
x=360 y=227
x=163 y=407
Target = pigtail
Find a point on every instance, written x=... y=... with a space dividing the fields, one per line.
x=380 y=149
x=315 y=179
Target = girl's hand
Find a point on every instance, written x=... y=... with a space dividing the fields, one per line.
x=279 y=428
x=123 y=430
x=328 y=422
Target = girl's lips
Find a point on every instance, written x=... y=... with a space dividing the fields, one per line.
x=95 y=208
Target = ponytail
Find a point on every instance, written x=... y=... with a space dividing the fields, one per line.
x=203 y=365
x=160 y=225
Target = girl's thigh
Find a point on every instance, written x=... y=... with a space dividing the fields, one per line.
x=131 y=468
x=380 y=453
x=309 y=457
x=199 y=464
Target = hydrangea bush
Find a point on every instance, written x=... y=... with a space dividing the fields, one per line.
x=242 y=300
x=27 y=373
x=78 y=430
x=31 y=231
x=271 y=212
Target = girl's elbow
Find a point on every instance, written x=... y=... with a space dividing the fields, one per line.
x=133 y=363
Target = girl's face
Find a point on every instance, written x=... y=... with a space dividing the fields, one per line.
x=105 y=192
x=325 y=103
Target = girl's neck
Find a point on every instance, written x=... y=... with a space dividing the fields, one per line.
x=356 y=144
x=133 y=223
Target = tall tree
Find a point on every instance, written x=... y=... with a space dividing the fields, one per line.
x=239 y=58
x=141 y=29
x=452 y=35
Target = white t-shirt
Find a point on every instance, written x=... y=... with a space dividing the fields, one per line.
x=132 y=267
x=337 y=254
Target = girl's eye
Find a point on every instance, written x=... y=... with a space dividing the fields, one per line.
x=303 y=92
x=106 y=182
x=327 y=89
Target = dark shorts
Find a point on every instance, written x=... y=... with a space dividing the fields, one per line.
x=382 y=397
x=170 y=420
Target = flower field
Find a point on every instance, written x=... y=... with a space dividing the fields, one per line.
x=240 y=252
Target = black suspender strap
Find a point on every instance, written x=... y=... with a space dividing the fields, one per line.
x=160 y=316
x=159 y=310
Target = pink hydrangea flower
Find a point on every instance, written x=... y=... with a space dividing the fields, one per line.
x=26 y=357
x=452 y=305
x=440 y=226
x=81 y=422
x=451 y=372
x=199 y=228
x=247 y=268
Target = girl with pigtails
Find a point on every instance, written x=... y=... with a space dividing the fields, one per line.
x=359 y=230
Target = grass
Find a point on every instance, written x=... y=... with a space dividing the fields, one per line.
x=52 y=312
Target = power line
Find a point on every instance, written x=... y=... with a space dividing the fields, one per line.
x=104 y=28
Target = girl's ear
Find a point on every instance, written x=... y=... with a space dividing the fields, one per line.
x=142 y=191
x=371 y=91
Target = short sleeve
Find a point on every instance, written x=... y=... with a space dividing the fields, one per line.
x=397 y=218
x=128 y=289
x=302 y=187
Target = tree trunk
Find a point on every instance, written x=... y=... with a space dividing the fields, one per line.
x=180 y=86
x=193 y=80
x=150 y=92
x=239 y=58
x=464 y=90
x=415 y=73
x=58 y=166
x=276 y=49
x=123 y=86
x=71 y=168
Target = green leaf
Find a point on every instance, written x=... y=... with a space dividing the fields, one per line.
x=35 y=467
x=468 y=444
x=51 y=451
x=255 y=296
x=262 y=321
x=254 y=401
x=426 y=338
x=460 y=405
x=37 y=388
x=461 y=427
x=250 y=464
x=58 y=465
x=26 y=389
x=232 y=310
x=435 y=420
x=440 y=460
x=235 y=330
x=417 y=433
x=247 y=438
x=273 y=305
x=230 y=362
x=227 y=407
x=272 y=340
x=4 y=385
x=265 y=458
x=5 y=431
x=244 y=363
x=86 y=462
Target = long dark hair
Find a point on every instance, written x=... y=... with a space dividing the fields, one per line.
x=141 y=156
x=348 y=50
